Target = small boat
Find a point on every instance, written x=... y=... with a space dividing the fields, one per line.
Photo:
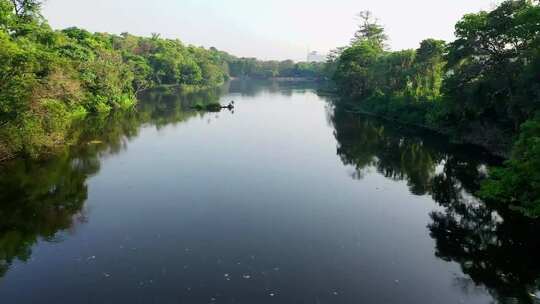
x=213 y=107
x=230 y=106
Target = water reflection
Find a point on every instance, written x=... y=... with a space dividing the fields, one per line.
x=496 y=249
x=37 y=201
x=253 y=88
x=40 y=199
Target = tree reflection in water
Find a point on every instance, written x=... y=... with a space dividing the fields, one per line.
x=496 y=248
x=40 y=199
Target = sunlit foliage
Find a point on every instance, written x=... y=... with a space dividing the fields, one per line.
x=50 y=78
x=481 y=87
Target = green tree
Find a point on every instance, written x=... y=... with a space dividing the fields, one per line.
x=429 y=70
x=482 y=86
x=518 y=183
x=353 y=70
x=491 y=64
x=27 y=10
x=369 y=30
x=48 y=78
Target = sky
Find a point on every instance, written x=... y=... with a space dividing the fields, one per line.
x=266 y=29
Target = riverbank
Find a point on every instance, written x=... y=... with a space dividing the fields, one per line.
x=481 y=88
x=279 y=79
x=489 y=137
x=41 y=136
x=139 y=190
x=53 y=78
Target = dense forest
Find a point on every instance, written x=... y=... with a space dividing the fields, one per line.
x=253 y=68
x=50 y=78
x=483 y=88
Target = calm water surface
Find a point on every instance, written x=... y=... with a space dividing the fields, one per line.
x=286 y=200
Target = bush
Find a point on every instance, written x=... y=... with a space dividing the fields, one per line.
x=518 y=182
x=101 y=107
x=126 y=102
x=56 y=117
x=78 y=112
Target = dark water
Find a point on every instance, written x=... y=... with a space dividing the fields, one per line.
x=286 y=200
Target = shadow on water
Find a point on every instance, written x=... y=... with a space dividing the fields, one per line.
x=497 y=249
x=41 y=199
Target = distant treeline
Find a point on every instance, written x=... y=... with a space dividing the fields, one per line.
x=49 y=78
x=484 y=87
x=253 y=68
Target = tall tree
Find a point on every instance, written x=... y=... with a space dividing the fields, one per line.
x=27 y=9
x=369 y=30
x=493 y=63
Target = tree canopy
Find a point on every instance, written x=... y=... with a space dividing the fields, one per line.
x=484 y=87
x=49 y=78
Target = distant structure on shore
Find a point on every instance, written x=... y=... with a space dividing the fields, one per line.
x=315 y=57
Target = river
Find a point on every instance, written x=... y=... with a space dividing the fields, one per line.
x=286 y=199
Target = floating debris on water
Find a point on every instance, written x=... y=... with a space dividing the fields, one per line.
x=246 y=276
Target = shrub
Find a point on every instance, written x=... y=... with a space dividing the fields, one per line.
x=518 y=182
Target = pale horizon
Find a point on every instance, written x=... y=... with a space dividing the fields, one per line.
x=268 y=30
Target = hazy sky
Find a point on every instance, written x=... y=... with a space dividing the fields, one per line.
x=268 y=29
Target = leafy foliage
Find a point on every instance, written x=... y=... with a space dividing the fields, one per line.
x=369 y=30
x=493 y=64
x=483 y=84
x=365 y=70
x=48 y=78
x=519 y=182
x=253 y=68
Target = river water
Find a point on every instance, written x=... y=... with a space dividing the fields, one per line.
x=286 y=199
